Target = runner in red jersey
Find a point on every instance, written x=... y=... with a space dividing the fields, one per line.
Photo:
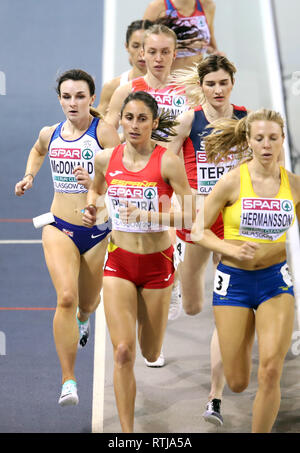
x=139 y=178
x=159 y=53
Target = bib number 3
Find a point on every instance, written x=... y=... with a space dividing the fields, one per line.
x=221 y=283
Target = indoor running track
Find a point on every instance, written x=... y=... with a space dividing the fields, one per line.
x=169 y=400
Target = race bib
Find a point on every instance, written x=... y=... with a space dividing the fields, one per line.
x=221 y=283
x=265 y=218
x=208 y=174
x=287 y=278
x=143 y=198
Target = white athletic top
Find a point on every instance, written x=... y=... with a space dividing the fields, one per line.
x=124 y=77
x=65 y=155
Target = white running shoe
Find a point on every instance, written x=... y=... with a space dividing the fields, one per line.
x=84 y=332
x=175 y=303
x=213 y=412
x=160 y=362
x=68 y=396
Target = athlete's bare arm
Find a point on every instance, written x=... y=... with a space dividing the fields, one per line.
x=107 y=91
x=183 y=130
x=155 y=9
x=115 y=105
x=35 y=160
x=107 y=135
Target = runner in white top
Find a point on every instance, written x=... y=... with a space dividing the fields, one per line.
x=133 y=45
x=74 y=254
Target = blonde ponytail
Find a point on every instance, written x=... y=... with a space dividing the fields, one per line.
x=186 y=81
x=229 y=137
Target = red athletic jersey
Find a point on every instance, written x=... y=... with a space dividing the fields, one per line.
x=145 y=189
x=167 y=98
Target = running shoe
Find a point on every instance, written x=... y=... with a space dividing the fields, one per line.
x=160 y=362
x=175 y=303
x=84 y=332
x=68 y=396
x=213 y=412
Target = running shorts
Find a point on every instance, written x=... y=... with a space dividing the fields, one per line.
x=243 y=288
x=151 y=270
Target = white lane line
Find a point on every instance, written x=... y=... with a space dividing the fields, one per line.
x=99 y=370
x=20 y=241
x=108 y=66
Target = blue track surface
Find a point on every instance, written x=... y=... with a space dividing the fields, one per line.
x=38 y=42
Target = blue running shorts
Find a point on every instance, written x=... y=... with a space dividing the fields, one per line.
x=243 y=288
x=84 y=238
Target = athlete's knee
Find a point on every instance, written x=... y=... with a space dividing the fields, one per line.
x=237 y=384
x=89 y=306
x=67 y=299
x=123 y=354
x=192 y=307
x=269 y=375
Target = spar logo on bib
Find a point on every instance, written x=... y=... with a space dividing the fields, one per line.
x=87 y=154
x=287 y=205
x=261 y=204
x=178 y=101
x=125 y=192
x=149 y=194
x=65 y=153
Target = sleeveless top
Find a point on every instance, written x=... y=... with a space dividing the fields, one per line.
x=124 y=77
x=145 y=189
x=66 y=155
x=197 y=19
x=256 y=219
x=201 y=174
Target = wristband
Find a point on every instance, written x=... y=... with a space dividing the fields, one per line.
x=88 y=206
x=29 y=174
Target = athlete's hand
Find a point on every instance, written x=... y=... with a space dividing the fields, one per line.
x=82 y=176
x=129 y=213
x=246 y=251
x=89 y=216
x=23 y=185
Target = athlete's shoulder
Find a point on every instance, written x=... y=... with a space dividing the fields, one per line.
x=46 y=133
x=209 y=5
x=110 y=86
x=155 y=9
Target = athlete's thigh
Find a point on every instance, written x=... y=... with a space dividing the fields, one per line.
x=62 y=259
x=153 y=308
x=274 y=326
x=120 y=305
x=91 y=271
x=236 y=330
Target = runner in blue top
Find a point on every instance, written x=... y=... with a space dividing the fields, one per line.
x=74 y=254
